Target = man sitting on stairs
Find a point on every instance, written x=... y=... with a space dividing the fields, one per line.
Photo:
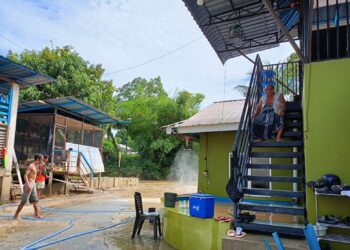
x=29 y=193
x=268 y=117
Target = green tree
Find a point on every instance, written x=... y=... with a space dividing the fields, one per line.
x=150 y=108
x=74 y=76
x=144 y=101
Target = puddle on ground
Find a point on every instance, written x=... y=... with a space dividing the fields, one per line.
x=21 y=233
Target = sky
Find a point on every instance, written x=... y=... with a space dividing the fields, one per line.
x=122 y=33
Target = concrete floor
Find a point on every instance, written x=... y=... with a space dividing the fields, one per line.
x=256 y=242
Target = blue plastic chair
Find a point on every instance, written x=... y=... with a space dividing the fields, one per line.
x=278 y=241
x=311 y=237
x=267 y=245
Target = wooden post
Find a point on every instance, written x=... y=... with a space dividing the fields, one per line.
x=91 y=181
x=52 y=152
x=65 y=185
x=99 y=181
x=78 y=162
x=50 y=182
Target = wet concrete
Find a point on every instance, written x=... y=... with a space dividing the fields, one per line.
x=16 y=234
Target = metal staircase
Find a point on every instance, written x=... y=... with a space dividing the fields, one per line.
x=278 y=202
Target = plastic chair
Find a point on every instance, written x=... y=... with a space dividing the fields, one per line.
x=278 y=241
x=141 y=217
x=311 y=237
x=267 y=245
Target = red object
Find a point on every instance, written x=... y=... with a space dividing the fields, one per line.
x=3 y=152
x=42 y=177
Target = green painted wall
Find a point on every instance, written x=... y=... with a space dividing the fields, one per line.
x=186 y=232
x=326 y=110
x=214 y=157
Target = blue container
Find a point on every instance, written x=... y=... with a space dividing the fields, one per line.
x=202 y=205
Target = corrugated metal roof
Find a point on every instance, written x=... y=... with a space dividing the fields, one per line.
x=216 y=16
x=21 y=74
x=217 y=113
x=73 y=106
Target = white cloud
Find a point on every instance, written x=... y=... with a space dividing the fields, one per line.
x=123 y=33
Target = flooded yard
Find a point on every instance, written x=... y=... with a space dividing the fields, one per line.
x=89 y=212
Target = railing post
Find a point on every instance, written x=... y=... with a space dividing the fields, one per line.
x=78 y=163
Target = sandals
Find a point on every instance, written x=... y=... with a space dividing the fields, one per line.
x=223 y=218
x=346 y=221
x=245 y=218
x=330 y=219
x=238 y=233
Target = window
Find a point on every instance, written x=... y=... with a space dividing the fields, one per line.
x=74 y=131
x=98 y=134
x=88 y=135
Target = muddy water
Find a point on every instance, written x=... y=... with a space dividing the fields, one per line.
x=16 y=234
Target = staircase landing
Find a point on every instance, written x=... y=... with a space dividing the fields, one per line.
x=256 y=242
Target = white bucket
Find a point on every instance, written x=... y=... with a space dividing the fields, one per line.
x=320 y=231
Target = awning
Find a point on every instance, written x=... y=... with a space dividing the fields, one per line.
x=260 y=31
x=72 y=106
x=22 y=75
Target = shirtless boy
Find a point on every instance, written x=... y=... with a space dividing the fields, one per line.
x=29 y=192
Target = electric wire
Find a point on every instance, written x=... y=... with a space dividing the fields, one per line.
x=155 y=58
x=13 y=42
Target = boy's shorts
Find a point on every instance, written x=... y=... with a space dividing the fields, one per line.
x=31 y=196
x=40 y=185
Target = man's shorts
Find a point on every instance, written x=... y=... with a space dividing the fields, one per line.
x=31 y=196
x=40 y=185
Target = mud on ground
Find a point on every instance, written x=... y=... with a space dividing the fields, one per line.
x=16 y=234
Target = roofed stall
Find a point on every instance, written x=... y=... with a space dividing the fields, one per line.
x=68 y=130
x=13 y=76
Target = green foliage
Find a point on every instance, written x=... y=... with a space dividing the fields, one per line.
x=144 y=101
x=150 y=108
x=74 y=77
x=243 y=89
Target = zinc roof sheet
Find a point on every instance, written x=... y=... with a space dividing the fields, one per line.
x=215 y=17
x=217 y=113
x=21 y=74
x=73 y=106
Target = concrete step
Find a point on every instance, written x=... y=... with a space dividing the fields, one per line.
x=275 y=193
x=270 y=144
x=276 y=166
x=276 y=154
x=287 y=179
x=271 y=207
x=270 y=227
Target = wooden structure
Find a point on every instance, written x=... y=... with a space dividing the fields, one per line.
x=53 y=127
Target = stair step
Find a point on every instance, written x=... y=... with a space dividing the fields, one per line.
x=293 y=125
x=270 y=227
x=276 y=166
x=271 y=207
x=292 y=134
x=276 y=154
x=293 y=116
x=277 y=193
x=277 y=144
x=274 y=179
x=293 y=106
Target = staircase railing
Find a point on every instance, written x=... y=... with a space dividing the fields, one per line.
x=240 y=153
x=288 y=77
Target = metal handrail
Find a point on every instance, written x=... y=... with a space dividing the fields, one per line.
x=240 y=153
x=288 y=75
